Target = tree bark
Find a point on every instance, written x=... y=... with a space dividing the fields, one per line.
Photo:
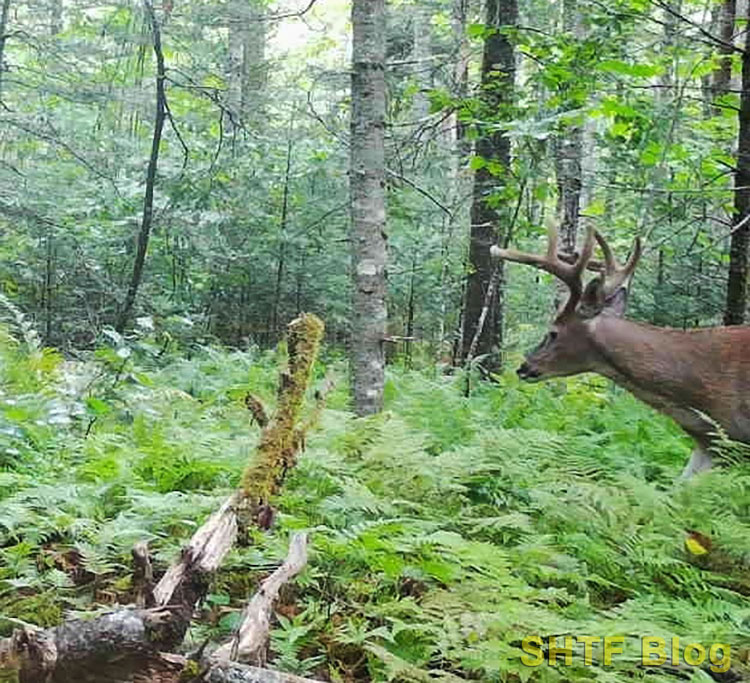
x=421 y=57
x=55 y=17
x=568 y=155
x=148 y=198
x=722 y=77
x=568 y=145
x=4 y=12
x=49 y=281
x=247 y=68
x=367 y=187
x=280 y=264
x=736 y=301
x=498 y=75
x=460 y=178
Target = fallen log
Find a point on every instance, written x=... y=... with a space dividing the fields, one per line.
x=239 y=673
x=128 y=645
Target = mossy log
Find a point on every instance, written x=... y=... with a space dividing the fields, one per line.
x=131 y=645
x=281 y=438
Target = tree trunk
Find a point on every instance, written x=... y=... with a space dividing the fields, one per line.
x=3 y=37
x=498 y=72
x=736 y=303
x=367 y=186
x=247 y=69
x=55 y=17
x=459 y=186
x=420 y=55
x=568 y=155
x=460 y=19
x=568 y=145
x=49 y=279
x=409 y=331
x=148 y=198
x=722 y=77
x=281 y=263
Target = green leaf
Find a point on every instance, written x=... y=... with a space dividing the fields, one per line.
x=651 y=153
x=617 y=66
x=595 y=208
x=97 y=407
x=475 y=163
x=475 y=30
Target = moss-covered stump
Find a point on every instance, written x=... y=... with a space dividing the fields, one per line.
x=281 y=437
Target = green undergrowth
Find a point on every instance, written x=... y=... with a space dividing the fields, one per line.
x=443 y=531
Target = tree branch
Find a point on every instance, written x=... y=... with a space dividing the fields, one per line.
x=249 y=643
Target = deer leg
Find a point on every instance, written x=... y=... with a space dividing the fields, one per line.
x=700 y=461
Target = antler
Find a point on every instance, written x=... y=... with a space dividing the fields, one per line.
x=615 y=275
x=569 y=273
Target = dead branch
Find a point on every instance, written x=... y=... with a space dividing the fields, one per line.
x=250 y=642
x=110 y=647
x=257 y=409
x=132 y=642
x=280 y=439
x=201 y=556
x=238 y=673
x=143 y=575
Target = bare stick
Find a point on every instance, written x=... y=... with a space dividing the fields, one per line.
x=143 y=575
x=249 y=643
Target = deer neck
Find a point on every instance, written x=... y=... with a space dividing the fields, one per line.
x=656 y=364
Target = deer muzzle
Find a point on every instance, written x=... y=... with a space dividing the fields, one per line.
x=526 y=372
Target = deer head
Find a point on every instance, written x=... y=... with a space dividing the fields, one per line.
x=568 y=347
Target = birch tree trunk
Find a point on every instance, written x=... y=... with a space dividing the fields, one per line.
x=56 y=17
x=498 y=75
x=460 y=184
x=568 y=147
x=247 y=68
x=736 y=301
x=367 y=187
x=4 y=12
x=420 y=55
x=722 y=77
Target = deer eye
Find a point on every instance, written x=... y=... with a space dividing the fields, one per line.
x=551 y=336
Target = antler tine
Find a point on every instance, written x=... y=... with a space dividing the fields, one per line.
x=569 y=273
x=635 y=256
x=586 y=253
x=610 y=264
x=615 y=275
x=549 y=262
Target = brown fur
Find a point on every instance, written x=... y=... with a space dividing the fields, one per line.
x=680 y=373
x=700 y=378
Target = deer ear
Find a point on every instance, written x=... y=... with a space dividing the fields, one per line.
x=617 y=303
x=592 y=299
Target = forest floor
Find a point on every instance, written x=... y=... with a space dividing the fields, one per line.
x=443 y=532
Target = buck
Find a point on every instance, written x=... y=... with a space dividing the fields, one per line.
x=700 y=378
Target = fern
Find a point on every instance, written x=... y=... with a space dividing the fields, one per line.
x=444 y=530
